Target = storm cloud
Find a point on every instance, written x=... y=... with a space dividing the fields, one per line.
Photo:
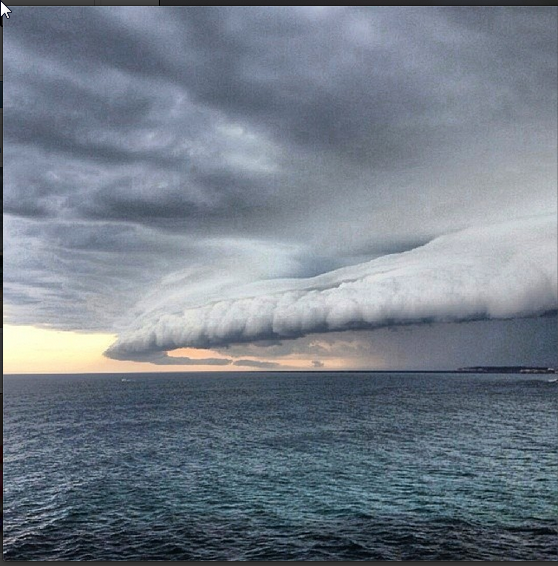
x=503 y=271
x=160 y=159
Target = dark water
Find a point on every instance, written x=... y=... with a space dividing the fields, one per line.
x=300 y=466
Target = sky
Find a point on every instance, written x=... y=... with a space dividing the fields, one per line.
x=252 y=188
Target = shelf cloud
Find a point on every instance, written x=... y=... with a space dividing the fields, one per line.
x=497 y=272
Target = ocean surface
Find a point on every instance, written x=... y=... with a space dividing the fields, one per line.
x=280 y=466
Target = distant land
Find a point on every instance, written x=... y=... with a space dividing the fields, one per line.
x=507 y=369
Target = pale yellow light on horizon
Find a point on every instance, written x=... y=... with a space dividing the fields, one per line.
x=28 y=349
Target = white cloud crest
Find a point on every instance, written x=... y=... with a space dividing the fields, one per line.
x=501 y=271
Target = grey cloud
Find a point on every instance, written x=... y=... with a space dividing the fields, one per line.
x=381 y=86
x=163 y=359
x=134 y=142
x=80 y=276
x=441 y=346
x=256 y=364
x=340 y=81
x=317 y=364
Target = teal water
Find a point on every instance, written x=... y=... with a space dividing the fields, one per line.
x=280 y=466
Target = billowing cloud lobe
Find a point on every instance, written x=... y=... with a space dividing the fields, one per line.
x=498 y=272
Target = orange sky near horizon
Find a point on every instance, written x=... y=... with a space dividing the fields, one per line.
x=28 y=349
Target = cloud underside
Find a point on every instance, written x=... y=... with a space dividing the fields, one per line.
x=498 y=272
x=163 y=359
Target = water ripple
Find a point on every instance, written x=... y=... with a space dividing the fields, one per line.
x=280 y=467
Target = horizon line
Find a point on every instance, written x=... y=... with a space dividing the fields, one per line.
x=225 y=372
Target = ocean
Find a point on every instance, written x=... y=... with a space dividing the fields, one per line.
x=280 y=466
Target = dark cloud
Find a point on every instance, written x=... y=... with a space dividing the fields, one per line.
x=142 y=147
x=256 y=364
x=524 y=341
x=163 y=359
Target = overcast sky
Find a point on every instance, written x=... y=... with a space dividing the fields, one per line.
x=271 y=182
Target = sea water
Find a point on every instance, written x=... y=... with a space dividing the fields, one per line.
x=280 y=466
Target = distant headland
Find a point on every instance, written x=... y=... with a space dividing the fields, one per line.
x=507 y=369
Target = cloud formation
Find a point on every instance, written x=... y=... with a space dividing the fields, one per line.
x=257 y=364
x=163 y=359
x=502 y=271
x=430 y=346
x=238 y=145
